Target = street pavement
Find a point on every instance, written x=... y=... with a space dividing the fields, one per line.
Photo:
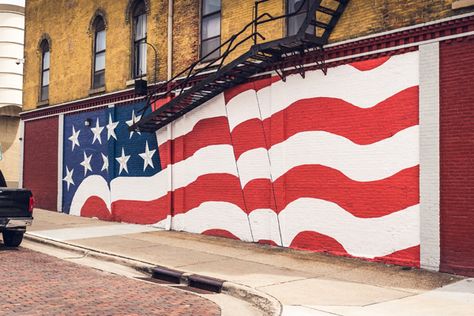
x=303 y=283
x=36 y=284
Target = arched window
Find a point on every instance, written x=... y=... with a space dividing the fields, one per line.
x=98 y=78
x=45 y=62
x=139 y=39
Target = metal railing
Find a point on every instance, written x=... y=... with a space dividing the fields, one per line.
x=182 y=80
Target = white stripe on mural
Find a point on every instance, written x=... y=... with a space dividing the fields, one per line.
x=92 y=186
x=243 y=107
x=361 y=237
x=349 y=84
x=185 y=124
x=214 y=215
x=359 y=162
x=343 y=82
x=264 y=223
x=208 y=160
x=253 y=164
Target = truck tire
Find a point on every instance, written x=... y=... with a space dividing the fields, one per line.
x=12 y=238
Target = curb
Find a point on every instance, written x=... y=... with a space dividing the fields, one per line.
x=264 y=302
x=268 y=304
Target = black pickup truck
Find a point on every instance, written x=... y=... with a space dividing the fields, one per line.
x=16 y=212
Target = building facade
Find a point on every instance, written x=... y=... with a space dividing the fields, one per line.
x=370 y=159
x=12 y=22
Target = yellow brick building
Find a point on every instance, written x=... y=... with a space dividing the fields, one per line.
x=68 y=26
x=344 y=128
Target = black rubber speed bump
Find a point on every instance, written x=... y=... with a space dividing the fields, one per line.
x=168 y=275
x=205 y=283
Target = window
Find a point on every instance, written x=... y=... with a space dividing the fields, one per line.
x=210 y=29
x=45 y=62
x=293 y=23
x=98 y=78
x=139 y=40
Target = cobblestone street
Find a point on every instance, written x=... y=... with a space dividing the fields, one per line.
x=37 y=284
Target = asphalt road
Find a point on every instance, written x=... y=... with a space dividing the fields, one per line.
x=36 y=284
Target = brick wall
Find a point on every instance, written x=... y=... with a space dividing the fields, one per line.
x=457 y=156
x=40 y=169
x=185 y=34
x=71 y=49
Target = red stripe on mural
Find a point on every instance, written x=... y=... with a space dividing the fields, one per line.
x=211 y=187
x=361 y=126
x=361 y=199
x=309 y=240
x=370 y=64
x=165 y=154
x=141 y=212
x=220 y=233
x=207 y=132
x=407 y=257
x=248 y=135
x=313 y=241
x=259 y=195
x=96 y=207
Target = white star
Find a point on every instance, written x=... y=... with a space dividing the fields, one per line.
x=74 y=138
x=86 y=163
x=97 y=130
x=132 y=121
x=111 y=128
x=68 y=178
x=105 y=166
x=147 y=155
x=123 y=162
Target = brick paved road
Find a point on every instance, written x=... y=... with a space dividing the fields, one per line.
x=35 y=284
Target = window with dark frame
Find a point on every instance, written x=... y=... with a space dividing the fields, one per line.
x=45 y=63
x=98 y=79
x=210 y=29
x=293 y=23
x=139 y=40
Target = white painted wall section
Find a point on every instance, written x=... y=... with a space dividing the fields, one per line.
x=429 y=156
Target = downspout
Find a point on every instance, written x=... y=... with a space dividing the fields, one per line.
x=170 y=126
x=170 y=39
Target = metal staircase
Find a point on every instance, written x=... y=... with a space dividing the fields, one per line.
x=193 y=87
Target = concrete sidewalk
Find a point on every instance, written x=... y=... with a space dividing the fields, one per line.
x=304 y=283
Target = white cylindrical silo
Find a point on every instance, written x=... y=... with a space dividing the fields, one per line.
x=12 y=25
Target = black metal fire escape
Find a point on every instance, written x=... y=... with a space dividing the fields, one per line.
x=187 y=90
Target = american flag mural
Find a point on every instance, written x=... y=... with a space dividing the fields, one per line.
x=97 y=155
x=326 y=163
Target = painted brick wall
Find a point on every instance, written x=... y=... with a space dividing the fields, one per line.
x=40 y=171
x=91 y=168
x=330 y=167
x=457 y=156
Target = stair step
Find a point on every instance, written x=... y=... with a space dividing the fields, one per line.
x=327 y=11
x=319 y=24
